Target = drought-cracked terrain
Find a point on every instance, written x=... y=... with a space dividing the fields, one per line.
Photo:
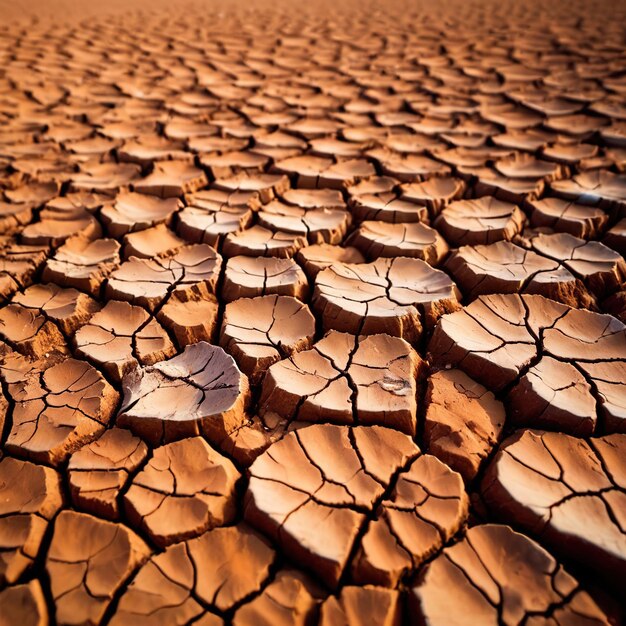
x=312 y=314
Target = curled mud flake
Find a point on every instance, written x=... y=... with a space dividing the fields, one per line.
x=386 y=207
x=200 y=391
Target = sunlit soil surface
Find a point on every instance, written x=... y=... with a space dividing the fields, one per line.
x=312 y=313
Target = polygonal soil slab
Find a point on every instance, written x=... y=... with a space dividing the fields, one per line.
x=480 y=221
x=30 y=332
x=354 y=501
x=316 y=258
x=603 y=270
x=120 y=336
x=185 y=489
x=248 y=277
x=414 y=240
x=393 y=296
x=69 y=309
x=190 y=274
x=257 y=332
x=500 y=577
x=463 y=421
x=190 y=321
x=362 y=606
x=23 y=604
x=261 y=242
x=212 y=223
x=58 y=409
x=101 y=469
x=557 y=487
x=347 y=380
x=218 y=570
x=318 y=225
x=568 y=217
x=290 y=599
x=499 y=339
x=171 y=179
x=88 y=561
x=18 y=265
x=504 y=267
x=200 y=391
x=30 y=496
x=434 y=193
x=155 y=241
x=386 y=207
x=83 y=264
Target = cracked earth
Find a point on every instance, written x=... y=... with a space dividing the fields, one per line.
x=312 y=314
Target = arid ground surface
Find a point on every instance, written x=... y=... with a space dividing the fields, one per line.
x=312 y=313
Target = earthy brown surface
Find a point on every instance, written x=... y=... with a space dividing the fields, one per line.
x=312 y=314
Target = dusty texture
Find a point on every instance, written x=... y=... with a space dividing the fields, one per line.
x=285 y=286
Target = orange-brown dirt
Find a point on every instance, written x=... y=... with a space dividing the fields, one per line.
x=312 y=313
